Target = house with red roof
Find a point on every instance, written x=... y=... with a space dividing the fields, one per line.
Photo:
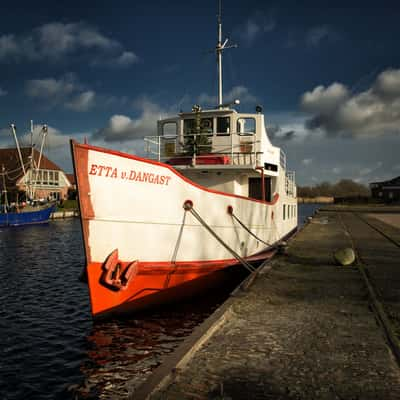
x=48 y=181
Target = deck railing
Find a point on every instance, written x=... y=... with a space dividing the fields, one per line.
x=290 y=183
x=235 y=149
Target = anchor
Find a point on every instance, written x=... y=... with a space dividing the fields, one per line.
x=114 y=276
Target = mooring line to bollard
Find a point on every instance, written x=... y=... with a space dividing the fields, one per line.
x=377 y=306
x=188 y=206
x=247 y=229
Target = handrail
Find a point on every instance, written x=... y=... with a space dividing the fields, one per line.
x=240 y=149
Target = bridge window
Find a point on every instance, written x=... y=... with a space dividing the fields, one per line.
x=169 y=129
x=246 y=126
x=223 y=126
x=188 y=126
x=206 y=126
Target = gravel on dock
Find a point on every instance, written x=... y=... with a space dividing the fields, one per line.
x=303 y=330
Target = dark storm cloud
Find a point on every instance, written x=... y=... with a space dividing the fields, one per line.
x=338 y=112
x=56 y=40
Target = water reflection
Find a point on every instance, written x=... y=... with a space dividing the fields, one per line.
x=123 y=352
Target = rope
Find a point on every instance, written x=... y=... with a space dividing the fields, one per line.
x=189 y=207
x=7 y=172
x=248 y=230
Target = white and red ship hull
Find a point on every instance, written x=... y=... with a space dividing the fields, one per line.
x=142 y=247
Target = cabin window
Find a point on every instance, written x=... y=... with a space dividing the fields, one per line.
x=169 y=129
x=255 y=188
x=223 y=126
x=206 y=126
x=284 y=211
x=51 y=178
x=56 y=182
x=246 y=126
x=188 y=126
x=45 y=178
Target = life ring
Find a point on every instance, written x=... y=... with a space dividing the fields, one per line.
x=205 y=123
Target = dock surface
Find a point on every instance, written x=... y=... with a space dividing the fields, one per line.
x=305 y=328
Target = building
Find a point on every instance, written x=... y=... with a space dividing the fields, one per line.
x=387 y=191
x=47 y=182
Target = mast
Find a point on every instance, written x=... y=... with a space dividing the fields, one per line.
x=219 y=49
x=30 y=187
x=13 y=129
x=44 y=131
x=219 y=56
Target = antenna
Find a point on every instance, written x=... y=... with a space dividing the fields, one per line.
x=219 y=49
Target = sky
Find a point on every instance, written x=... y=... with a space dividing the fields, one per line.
x=327 y=75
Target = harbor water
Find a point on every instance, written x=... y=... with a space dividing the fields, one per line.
x=50 y=347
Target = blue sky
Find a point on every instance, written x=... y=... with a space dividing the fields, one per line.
x=328 y=76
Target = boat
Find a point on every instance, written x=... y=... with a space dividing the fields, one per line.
x=28 y=210
x=211 y=192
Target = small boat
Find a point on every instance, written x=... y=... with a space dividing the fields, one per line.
x=26 y=216
x=29 y=210
x=212 y=192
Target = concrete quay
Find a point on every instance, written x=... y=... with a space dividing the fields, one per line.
x=304 y=329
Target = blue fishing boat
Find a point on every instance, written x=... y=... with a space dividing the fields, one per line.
x=17 y=218
x=22 y=177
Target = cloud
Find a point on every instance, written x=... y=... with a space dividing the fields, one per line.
x=127 y=58
x=8 y=46
x=278 y=133
x=254 y=27
x=323 y=99
x=238 y=92
x=55 y=41
x=370 y=169
x=317 y=34
x=54 y=138
x=336 y=170
x=2 y=92
x=307 y=161
x=338 y=112
x=121 y=128
x=51 y=88
x=65 y=91
x=82 y=102
x=69 y=93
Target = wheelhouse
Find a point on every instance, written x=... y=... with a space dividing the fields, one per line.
x=223 y=150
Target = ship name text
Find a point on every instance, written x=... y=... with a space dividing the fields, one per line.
x=132 y=175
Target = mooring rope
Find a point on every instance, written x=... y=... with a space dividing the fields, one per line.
x=248 y=230
x=188 y=206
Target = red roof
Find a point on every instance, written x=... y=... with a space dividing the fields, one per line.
x=10 y=160
x=71 y=178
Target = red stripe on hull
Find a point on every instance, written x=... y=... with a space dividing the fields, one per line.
x=157 y=284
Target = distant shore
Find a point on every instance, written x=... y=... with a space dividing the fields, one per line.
x=318 y=199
